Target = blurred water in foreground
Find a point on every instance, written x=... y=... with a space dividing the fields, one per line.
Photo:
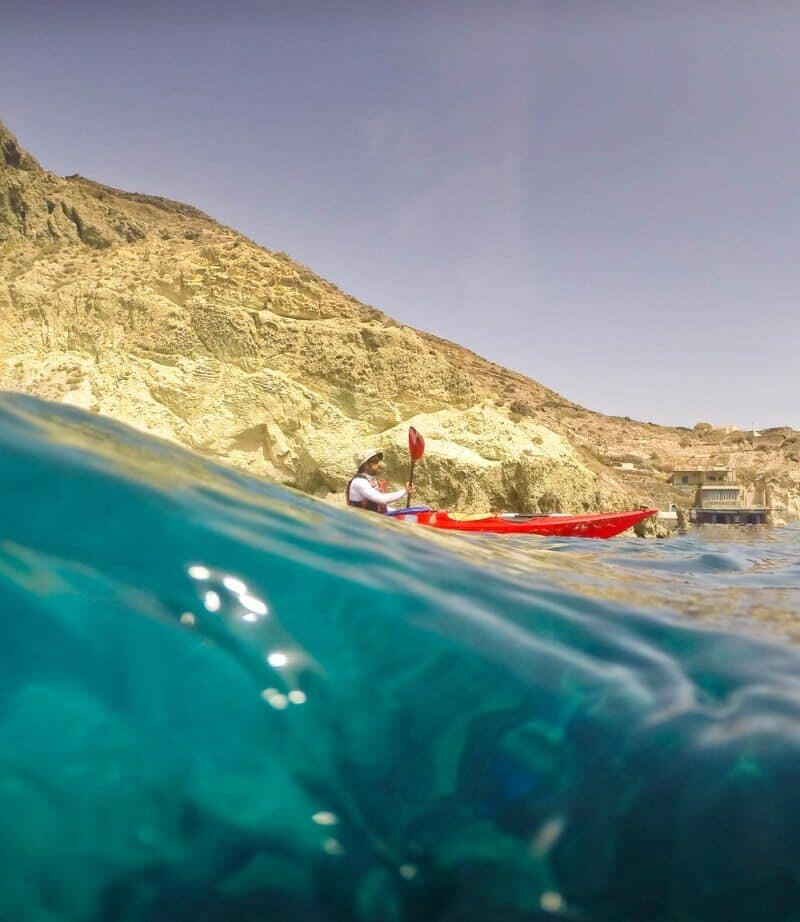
x=221 y=700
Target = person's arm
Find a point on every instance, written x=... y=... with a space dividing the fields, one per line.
x=362 y=489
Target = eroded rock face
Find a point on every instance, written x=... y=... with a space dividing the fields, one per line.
x=147 y=310
x=12 y=155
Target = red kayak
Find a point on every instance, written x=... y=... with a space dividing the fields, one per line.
x=592 y=525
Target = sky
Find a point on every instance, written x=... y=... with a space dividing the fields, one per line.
x=603 y=195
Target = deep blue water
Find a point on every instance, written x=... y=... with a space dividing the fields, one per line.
x=222 y=700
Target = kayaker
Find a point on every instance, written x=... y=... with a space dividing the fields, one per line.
x=364 y=488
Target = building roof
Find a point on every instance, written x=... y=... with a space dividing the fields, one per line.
x=701 y=470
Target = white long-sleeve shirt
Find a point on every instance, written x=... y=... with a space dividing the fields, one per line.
x=361 y=489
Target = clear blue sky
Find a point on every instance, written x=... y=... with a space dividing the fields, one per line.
x=603 y=195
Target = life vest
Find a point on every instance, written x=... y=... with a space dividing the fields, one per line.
x=365 y=503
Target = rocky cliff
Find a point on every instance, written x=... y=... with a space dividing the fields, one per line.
x=149 y=311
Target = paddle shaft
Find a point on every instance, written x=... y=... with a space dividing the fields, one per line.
x=410 y=483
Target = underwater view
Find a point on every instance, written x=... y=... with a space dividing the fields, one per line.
x=221 y=699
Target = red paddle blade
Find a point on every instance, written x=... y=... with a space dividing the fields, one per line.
x=416 y=444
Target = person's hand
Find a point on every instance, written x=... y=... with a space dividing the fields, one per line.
x=409 y=488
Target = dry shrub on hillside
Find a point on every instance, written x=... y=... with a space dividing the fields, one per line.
x=735 y=439
x=520 y=408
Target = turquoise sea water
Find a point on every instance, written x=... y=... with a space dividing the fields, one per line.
x=222 y=700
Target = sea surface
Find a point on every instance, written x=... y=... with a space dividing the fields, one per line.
x=223 y=700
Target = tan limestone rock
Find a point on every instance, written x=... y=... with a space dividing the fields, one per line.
x=146 y=310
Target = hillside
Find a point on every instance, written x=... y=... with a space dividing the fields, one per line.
x=149 y=311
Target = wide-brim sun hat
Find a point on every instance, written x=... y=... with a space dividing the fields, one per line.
x=361 y=457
